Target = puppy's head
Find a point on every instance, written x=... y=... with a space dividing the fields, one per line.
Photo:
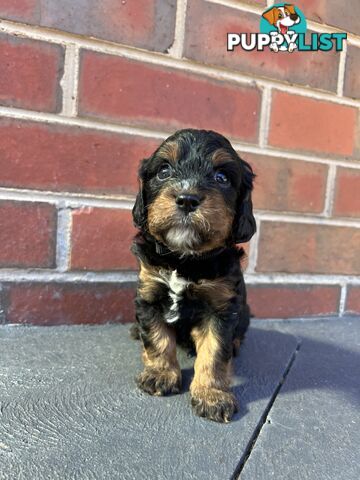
x=195 y=193
x=282 y=17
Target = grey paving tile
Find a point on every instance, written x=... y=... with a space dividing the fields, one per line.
x=313 y=429
x=69 y=408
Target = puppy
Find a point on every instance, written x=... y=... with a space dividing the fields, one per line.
x=282 y=18
x=193 y=206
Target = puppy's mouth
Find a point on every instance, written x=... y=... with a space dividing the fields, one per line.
x=184 y=238
x=187 y=231
x=283 y=29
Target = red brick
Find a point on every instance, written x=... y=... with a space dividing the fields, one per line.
x=286 y=301
x=30 y=74
x=352 y=306
x=141 y=94
x=73 y=159
x=302 y=123
x=344 y=16
x=147 y=24
x=288 y=185
x=352 y=77
x=27 y=234
x=304 y=248
x=205 y=41
x=347 y=193
x=69 y=303
x=101 y=239
x=20 y=10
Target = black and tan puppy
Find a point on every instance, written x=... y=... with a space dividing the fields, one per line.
x=194 y=205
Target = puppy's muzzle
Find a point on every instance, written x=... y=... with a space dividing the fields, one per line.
x=187 y=202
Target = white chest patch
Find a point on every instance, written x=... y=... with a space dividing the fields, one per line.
x=176 y=286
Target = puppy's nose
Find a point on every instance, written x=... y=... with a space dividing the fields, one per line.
x=187 y=202
x=294 y=16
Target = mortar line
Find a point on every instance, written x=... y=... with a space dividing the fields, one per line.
x=165 y=60
x=341 y=72
x=94 y=124
x=177 y=48
x=46 y=276
x=330 y=191
x=69 y=81
x=63 y=239
x=265 y=116
x=277 y=278
x=52 y=275
x=238 y=5
x=252 y=442
x=305 y=219
x=67 y=200
x=314 y=94
x=273 y=152
x=343 y=298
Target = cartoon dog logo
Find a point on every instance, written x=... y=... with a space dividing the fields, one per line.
x=283 y=18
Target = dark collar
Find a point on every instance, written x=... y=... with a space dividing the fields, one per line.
x=166 y=254
x=215 y=263
x=162 y=249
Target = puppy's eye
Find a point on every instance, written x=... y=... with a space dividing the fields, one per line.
x=221 y=178
x=164 y=172
x=280 y=15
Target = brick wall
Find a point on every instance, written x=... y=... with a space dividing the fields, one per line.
x=89 y=88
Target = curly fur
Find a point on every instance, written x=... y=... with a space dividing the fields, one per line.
x=191 y=288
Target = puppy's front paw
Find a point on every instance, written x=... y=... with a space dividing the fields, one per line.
x=159 y=382
x=214 y=404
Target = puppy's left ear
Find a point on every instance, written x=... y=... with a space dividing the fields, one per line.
x=270 y=16
x=245 y=224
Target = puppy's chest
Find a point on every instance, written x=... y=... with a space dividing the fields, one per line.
x=182 y=298
x=177 y=287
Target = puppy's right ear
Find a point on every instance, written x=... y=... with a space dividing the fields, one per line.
x=270 y=16
x=291 y=8
x=139 y=210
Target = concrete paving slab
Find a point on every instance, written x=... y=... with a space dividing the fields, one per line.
x=313 y=428
x=69 y=408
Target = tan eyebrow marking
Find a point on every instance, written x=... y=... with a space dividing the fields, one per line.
x=169 y=151
x=221 y=156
